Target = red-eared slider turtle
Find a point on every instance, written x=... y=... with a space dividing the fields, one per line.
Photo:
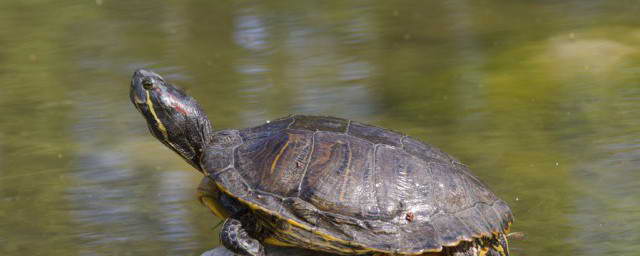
x=326 y=183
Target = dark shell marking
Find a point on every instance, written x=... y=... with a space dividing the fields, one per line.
x=350 y=187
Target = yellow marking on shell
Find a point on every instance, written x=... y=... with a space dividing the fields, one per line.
x=208 y=197
x=215 y=207
x=161 y=127
x=275 y=161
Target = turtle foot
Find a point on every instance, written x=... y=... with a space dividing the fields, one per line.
x=235 y=238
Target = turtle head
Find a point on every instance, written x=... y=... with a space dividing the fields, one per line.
x=173 y=117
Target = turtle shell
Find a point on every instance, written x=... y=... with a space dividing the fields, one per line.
x=345 y=187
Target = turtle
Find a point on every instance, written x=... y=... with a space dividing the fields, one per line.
x=325 y=183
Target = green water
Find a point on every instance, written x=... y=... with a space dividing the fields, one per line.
x=540 y=98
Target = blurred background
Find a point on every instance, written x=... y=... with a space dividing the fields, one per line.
x=540 y=98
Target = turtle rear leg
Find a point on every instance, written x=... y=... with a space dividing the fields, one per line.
x=235 y=238
x=495 y=246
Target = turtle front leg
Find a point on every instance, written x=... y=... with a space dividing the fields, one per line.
x=235 y=238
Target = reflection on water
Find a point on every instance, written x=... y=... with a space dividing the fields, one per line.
x=285 y=67
x=608 y=208
x=541 y=99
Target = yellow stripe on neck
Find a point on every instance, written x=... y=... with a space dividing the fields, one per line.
x=161 y=127
x=274 y=241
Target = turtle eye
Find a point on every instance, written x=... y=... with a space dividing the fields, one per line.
x=147 y=84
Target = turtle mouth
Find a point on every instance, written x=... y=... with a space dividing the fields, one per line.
x=138 y=97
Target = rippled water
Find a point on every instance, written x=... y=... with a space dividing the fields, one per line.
x=541 y=98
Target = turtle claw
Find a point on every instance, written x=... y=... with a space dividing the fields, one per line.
x=235 y=238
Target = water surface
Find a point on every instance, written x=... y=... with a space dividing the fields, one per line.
x=540 y=98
